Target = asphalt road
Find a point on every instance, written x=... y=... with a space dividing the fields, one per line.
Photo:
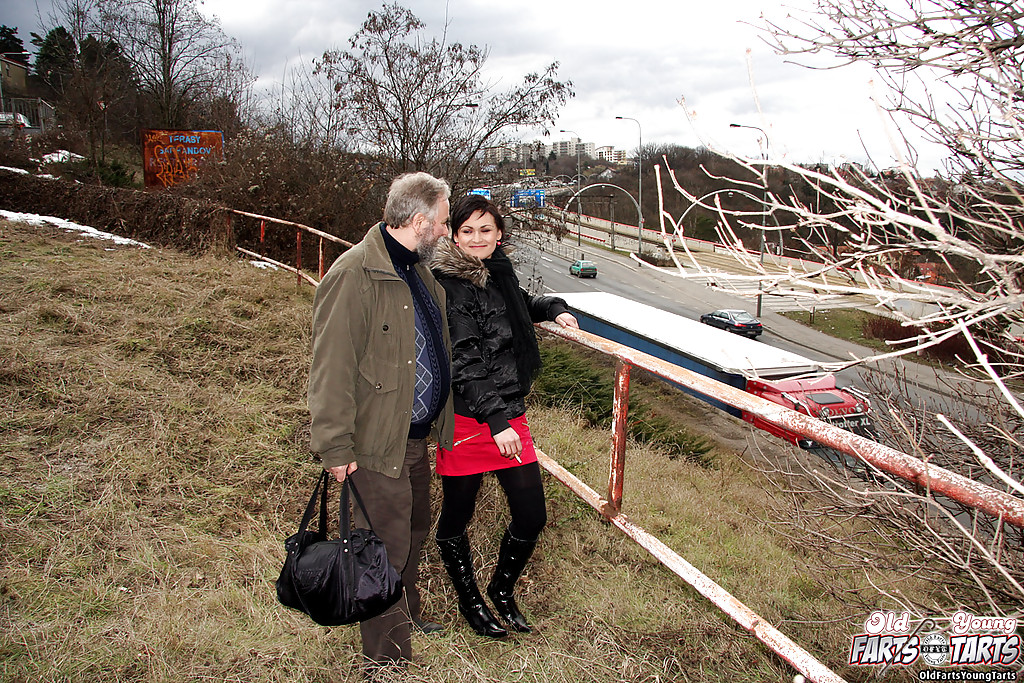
x=692 y=296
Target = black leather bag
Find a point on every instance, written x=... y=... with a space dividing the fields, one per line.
x=339 y=581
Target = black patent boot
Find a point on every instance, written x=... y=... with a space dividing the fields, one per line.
x=457 y=559
x=512 y=559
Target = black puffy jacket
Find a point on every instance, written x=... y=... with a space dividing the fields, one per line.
x=485 y=381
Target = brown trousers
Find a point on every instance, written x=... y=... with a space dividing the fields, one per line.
x=400 y=511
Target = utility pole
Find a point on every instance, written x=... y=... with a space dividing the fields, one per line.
x=764 y=203
x=639 y=184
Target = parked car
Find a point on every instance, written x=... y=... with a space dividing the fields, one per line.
x=583 y=268
x=12 y=123
x=734 y=320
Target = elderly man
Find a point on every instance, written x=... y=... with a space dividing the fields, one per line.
x=380 y=380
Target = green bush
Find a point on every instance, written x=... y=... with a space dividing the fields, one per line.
x=571 y=380
x=107 y=173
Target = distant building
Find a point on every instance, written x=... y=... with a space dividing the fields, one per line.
x=610 y=155
x=523 y=153
x=534 y=151
x=564 y=148
x=13 y=77
x=572 y=147
x=932 y=273
x=16 y=96
x=528 y=152
x=497 y=155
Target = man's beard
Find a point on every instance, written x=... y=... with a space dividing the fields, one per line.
x=427 y=246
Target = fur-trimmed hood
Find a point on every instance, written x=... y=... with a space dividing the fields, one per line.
x=451 y=261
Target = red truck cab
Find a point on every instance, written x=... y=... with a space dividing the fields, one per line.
x=817 y=397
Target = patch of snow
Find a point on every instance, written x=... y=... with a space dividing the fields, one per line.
x=14 y=170
x=61 y=156
x=36 y=219
x=264 y=264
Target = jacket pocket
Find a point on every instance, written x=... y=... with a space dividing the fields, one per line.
x=381 y=375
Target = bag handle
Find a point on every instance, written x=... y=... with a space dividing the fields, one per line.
x=344 y=506
x=322 y=482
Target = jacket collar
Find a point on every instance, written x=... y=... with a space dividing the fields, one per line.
x=400 y=255
x=451 y=261
x=377 y=259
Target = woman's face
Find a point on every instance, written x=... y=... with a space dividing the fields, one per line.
x=479 y=235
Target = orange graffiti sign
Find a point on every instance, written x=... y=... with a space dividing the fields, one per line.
x=171 y=156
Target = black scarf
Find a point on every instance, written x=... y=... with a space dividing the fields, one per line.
x=524 y=339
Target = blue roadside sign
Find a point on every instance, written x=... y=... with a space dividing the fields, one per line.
x=527 y=198
x=482 y=191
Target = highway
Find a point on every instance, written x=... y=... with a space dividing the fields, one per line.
x=692 y=296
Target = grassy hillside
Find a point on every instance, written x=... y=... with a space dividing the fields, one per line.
x=154 y=457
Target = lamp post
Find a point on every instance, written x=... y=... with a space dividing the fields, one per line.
x=639 y=183
x=764 y=205
x=597 y=185
x=579 y=227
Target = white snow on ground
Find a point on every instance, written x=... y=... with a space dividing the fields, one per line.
x=61 y=156
x=36 y=219
x=14 y=170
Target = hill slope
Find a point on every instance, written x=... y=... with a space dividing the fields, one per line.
x=153 y=434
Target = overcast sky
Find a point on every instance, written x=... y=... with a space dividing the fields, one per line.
x=633 y=58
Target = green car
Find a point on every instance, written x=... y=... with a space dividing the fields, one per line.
x=583 y=268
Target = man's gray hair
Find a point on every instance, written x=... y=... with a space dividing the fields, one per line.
x=413 y=193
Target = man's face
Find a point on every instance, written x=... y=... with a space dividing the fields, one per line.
x=428 y=232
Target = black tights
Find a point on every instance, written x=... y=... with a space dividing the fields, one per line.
x=523 y=489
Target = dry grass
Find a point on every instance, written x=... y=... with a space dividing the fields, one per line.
x=153 y=441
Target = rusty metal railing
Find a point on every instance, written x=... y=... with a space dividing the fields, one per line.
x=1004 y=506
x=299 y=229
x=802 y=661
x=999 y=504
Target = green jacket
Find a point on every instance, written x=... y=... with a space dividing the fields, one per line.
x=363 y=374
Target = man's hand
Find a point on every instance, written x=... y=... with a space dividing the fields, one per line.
x=342 y=471
x=509 y=444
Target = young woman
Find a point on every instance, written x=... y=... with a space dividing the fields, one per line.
x=494 y=360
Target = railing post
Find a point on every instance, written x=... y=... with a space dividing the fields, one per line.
x=320 y=267
x=229 y=231
x=298 y=255
x=620 y=414
x=263 y=231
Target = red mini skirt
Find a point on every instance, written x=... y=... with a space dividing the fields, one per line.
x=475 y=451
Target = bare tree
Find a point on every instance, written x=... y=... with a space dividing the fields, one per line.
x=420 y=103
x=184 y=71
x=954 y=71
x=180 y=56
x=90 y=74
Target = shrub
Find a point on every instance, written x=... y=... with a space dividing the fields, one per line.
x=571 y=380
x=888 y=329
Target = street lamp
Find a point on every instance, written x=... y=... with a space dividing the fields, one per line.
x=639 y=183
x=764 y=206
x=579 y=228
x=576 y=197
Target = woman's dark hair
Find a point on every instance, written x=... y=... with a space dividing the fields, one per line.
x=470 y=204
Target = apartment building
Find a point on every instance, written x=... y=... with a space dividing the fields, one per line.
x=610 y=155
